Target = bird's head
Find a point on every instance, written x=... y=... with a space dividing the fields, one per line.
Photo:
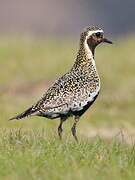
x=93 y=36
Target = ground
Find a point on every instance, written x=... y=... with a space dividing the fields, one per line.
x=30 y=149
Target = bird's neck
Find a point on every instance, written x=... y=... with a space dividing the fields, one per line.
x=85 y=56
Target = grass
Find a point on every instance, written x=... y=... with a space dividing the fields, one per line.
x=33 y=155
x=30 y=149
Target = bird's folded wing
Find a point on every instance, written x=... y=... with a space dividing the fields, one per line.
x=46 y=108
x=54 y=109
x=60 y=105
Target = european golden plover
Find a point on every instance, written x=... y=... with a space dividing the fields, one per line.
x=74 y=92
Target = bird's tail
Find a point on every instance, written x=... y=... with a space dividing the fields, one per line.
x=26 y=113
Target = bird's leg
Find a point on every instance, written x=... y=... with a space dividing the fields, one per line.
x=60 y=128
x=73 y=129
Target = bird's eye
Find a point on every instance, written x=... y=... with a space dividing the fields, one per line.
x=98 y=34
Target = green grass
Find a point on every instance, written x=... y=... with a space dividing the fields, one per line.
x=30 y=149
x=33 y=155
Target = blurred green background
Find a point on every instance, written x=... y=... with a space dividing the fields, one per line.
x=30 y=65
x=39 y=41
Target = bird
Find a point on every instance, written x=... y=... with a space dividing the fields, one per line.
x=73 y=93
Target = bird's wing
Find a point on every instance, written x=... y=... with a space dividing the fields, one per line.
x=54 y=99
x=62 y=104
x=53 y=106
x=65 y=94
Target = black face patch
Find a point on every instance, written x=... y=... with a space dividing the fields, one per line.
x=92 y=42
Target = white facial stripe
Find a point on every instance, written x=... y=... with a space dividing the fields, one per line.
x=92 y=32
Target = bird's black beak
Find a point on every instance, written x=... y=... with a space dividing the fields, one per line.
x=107 y=41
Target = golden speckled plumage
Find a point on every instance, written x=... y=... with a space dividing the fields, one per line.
x=73 y=93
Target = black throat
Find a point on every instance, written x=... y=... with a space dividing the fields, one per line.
x=91 y=45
